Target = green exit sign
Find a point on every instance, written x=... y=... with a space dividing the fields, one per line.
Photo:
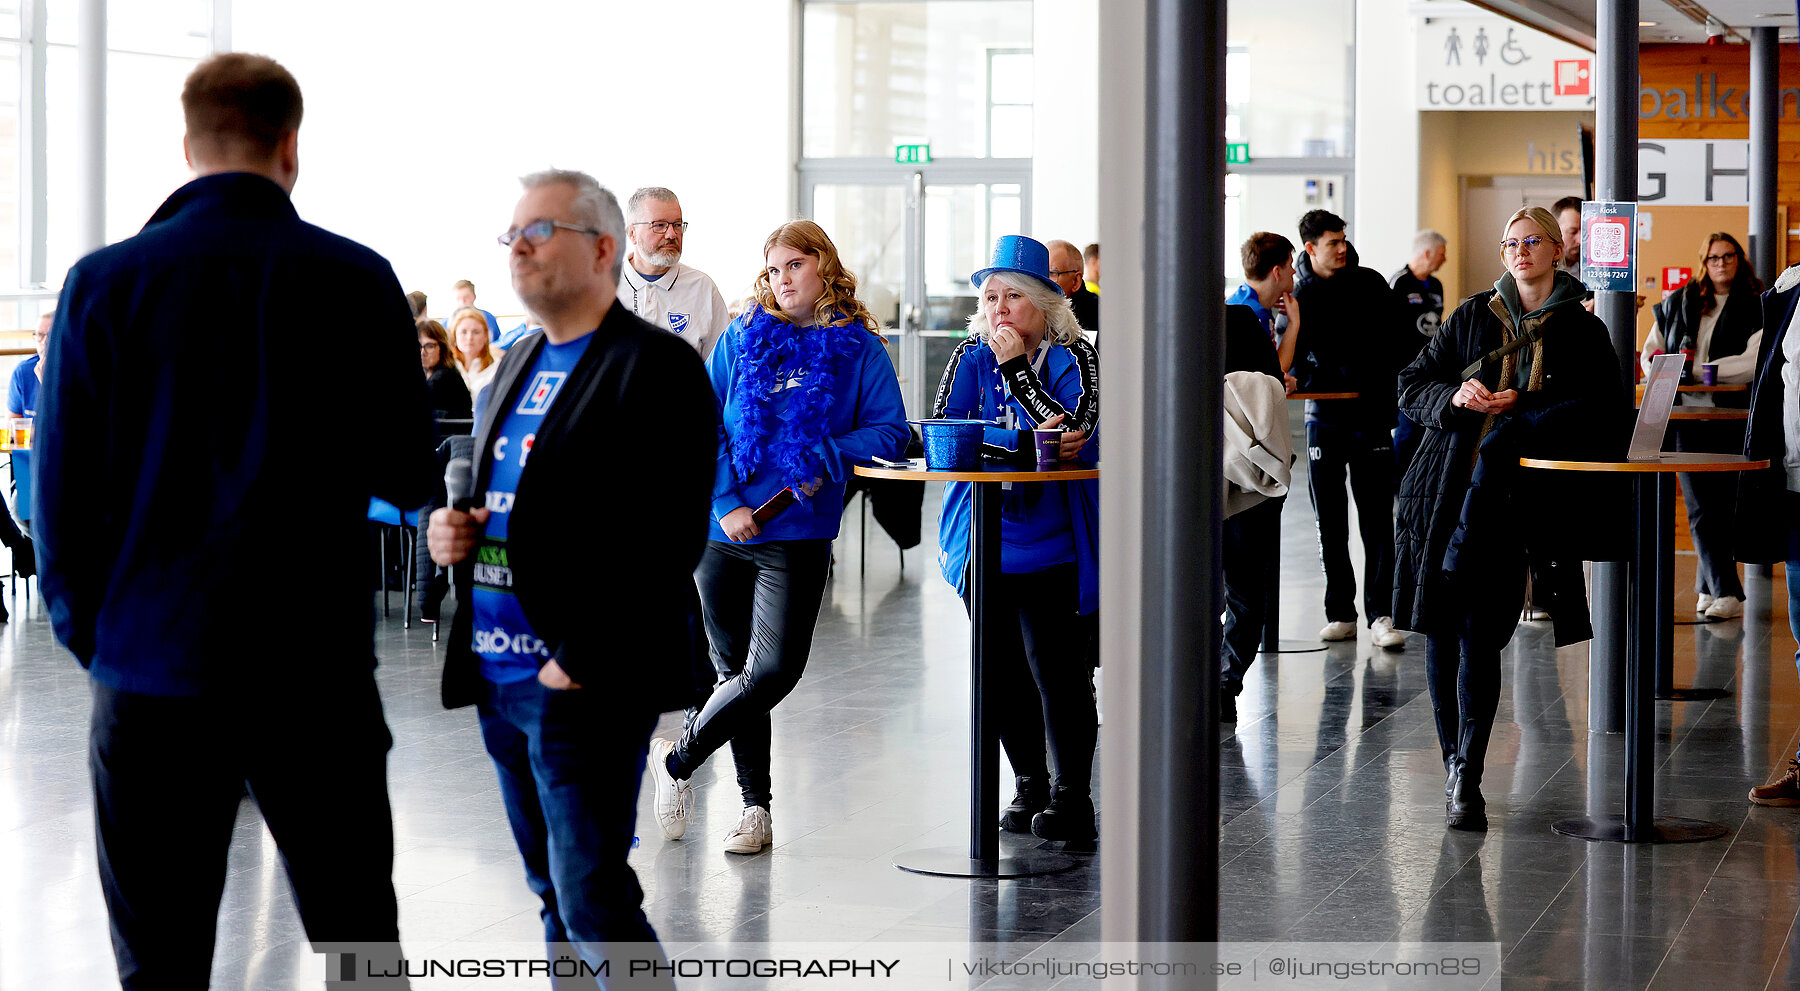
x=1237 y=153
x=912 y=154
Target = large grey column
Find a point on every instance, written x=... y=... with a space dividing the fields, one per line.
x=1178 y=830
x=90 y=125
x=1615 y=178
x=1765 y=233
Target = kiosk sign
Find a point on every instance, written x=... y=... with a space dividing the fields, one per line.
x=1609 y=246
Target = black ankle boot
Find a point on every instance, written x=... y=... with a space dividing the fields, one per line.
x=1029 y=798
x=1466 y=809
x=1452 y=774
x=24 y=558
x=1069 y=817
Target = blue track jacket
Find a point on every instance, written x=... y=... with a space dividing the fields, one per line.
x=1034 y=515
x=868 y=421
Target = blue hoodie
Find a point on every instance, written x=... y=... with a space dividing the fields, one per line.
x=867 y=421
x=1042 y=524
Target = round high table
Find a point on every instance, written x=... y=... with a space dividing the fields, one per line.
x=1653 y=556
x=1271 y=641
x=982 y=858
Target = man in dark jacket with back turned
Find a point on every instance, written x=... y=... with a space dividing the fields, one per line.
x=1352 y=340
x=594 y=466
x=175 y=429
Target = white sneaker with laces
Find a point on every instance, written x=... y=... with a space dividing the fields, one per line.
x=1338 y=631
x=753 y=832
x=1383 y=633
x=674 y=801
x=1726 y=607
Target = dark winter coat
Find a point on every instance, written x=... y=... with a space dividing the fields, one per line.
x=1354 y=337
x=1761 y=536
x=1575 y=408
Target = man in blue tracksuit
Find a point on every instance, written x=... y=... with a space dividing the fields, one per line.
x=177 y=438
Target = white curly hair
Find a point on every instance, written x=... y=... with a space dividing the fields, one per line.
x=1059 y=320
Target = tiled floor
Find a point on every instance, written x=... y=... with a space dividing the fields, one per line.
x=1331 y=792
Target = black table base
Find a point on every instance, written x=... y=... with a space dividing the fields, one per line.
x=1660 y=829
x=955 y=862
x=1291 y=646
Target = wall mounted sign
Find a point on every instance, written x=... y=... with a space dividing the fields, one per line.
x=1478 y=61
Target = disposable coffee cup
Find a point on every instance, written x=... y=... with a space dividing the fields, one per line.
x=1049 y=445
x=1709 y=374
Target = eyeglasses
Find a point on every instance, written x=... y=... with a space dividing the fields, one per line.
x=1513 y=244
x=1064 y=271
x=427 y=345
x=662 y=226
x=540 y=231
x=1721 y=259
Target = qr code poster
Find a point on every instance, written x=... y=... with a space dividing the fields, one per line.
x=1609 y=246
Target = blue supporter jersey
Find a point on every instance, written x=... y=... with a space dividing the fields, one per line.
x=21 y=395
x=504 y=640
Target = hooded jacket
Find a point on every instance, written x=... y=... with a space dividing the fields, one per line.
x=1354 y=337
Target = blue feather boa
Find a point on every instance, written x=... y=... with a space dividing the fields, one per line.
x=773 y=354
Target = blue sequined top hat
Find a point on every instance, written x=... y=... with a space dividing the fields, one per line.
x=1018 y=253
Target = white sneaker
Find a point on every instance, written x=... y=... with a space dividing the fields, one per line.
x=674 y=802
x=752 y=833
x=1702 y=602
x=1726 y=607
x=1338 y=631
x=1383 y=633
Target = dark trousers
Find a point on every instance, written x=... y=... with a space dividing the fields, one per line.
x=570 y=764
x=1368 y=458
x=1250 y=556
x=760 y=603
x=1711 y=498
x=1039 y=671
x=1464 y=676
x=168 y=773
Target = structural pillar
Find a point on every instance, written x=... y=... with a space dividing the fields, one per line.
x=1162 y=147
x=1615 y=178
x=1765 y=231
x=90 y=125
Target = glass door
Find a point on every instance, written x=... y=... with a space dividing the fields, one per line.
x=912 y=239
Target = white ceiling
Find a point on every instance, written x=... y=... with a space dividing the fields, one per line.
x=1574 y=19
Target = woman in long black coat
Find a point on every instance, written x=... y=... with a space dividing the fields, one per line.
x=1519 y=370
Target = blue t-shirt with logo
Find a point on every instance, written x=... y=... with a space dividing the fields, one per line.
x=504 y=640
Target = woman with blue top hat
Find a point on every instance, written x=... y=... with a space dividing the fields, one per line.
x=1026 y=365
x=806 y=389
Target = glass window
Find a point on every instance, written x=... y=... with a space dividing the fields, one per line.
x=1288 y=77
x=157 y=27
x=1255 y=202
x=883 y=74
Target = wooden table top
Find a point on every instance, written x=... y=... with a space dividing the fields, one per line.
x=1708 y=413
x=1324 y=395
x=915 y=471
x=1669 y=461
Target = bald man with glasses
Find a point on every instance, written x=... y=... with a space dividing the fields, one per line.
x=1067 y=269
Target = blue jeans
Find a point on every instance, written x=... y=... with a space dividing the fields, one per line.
x=570 y=764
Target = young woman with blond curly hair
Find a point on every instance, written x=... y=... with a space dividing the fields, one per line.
x=807 y=390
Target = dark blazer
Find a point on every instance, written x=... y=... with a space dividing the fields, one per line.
x=610 y=515
x=1760 y=534
x=1087 y=308
x=176 y=427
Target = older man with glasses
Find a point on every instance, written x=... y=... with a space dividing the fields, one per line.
x=21 y=395
x=593 y=469
x=656 y=285
x=1066 y=270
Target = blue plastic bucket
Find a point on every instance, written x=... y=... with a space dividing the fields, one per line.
x=952 y=445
